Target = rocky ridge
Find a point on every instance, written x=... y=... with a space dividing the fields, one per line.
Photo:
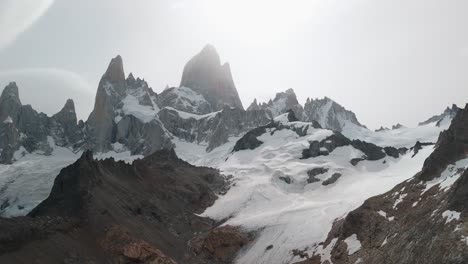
x=106 y=211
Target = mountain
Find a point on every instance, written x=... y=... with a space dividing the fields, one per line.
x=421 y=220
x=112 y=212
x=124 y=113
x=24 y=130
x=292 y=173
x=282 y=102
x=205 y=74
x=445 y=117
x=329 y=114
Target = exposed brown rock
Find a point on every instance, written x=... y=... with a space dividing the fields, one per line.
x=220 y=244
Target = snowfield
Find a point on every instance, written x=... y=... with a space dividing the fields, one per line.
x=298 y=214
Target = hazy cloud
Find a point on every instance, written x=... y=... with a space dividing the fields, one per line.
x=16 y=16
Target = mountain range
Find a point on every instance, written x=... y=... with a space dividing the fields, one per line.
x=188 y=175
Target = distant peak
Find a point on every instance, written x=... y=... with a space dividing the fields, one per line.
x=115 y=71
x=69 y=105
x=131 y=77
x=11 y=91
x=290 y=91
x=209 y=48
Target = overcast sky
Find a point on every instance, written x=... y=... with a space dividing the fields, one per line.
x=388 y=61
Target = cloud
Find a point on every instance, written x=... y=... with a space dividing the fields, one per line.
x=16 y=16
x=47 y=89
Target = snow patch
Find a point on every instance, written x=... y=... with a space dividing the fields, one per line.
x=353 y=243
x=8 y=120
x=451 y=216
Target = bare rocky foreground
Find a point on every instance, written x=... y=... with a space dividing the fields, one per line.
x=112 y=212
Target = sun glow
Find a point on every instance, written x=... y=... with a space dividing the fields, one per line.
x=257 y=21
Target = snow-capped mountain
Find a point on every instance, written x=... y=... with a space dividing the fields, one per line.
x=292 y=171
x=205 y=74
x=282 y=102
x=329 y=114
x=25 y=130
x=125 y=113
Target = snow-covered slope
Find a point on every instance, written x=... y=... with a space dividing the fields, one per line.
x=274 y=194
x=184 y=99
x=401 y=137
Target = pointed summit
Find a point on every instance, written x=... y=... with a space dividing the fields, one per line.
x=115 y=71
x=205 y=74
x=69 y=106
x=11 y=91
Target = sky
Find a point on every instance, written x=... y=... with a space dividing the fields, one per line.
x=389 y=61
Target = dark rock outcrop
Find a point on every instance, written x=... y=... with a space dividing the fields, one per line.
x=113 y=212
x=451 y=146
x=315 y=172
x=371 y=151
x=332 y=179
x=205 y=75
x=220 y=245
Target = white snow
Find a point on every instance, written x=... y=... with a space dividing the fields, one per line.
x=131 y=106
x=185 y=115
x=384 y=242
x=451 y=216
x=399 y=200
x=403 y=137
x=382 y=213
x=296 y=215
x=353 y=244
x=8 y=120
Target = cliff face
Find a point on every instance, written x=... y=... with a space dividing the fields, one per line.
x=205 y=74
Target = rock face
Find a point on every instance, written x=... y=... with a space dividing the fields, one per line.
x=448 y=115
x=125 y=112
x=220 y=244
x=205 y=74
x=329 y=114
x=214 y=128
x=422 y=220
x=23 y=128
x=113 y=212
x=282 y=102
x=184 y=99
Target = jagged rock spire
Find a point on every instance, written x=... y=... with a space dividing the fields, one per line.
x=115 y=71
x=205 y=75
